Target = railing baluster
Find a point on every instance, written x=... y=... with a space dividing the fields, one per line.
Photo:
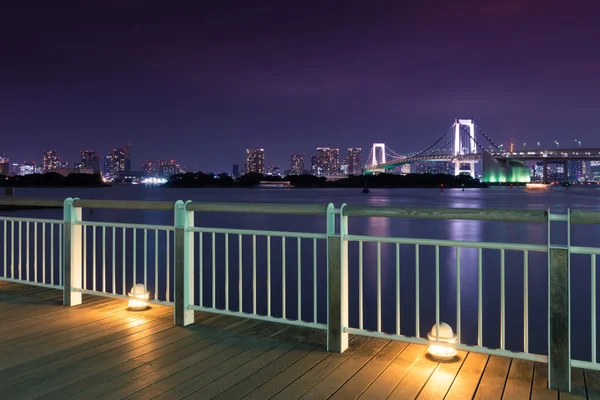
x=417 y=320
x=594 y=321
x=240 y=273
x=60 y=254
x=502 y=302
x=526 y=301
x=214 y=270
x=227 y=271
x=94 y=258
x=200 y=271
x=360 y=285
x=269 y=276
x=168 y=288
x=35 y=253
x=156 y=263
x=299 y=280
x=479 y=297
x=104 y=258
x=4 y=239
x=43 y=252
x=27 y=251
x=254 y=274
x=84 y=261
x=52 y=253
x=283 y=276
x=20 y=249
x=12 y=249
x=114 y=260
x=397 y=289
x=378 y=286
x=146 y=258
x=124 y=288
x=458 y=330
x=437 y=292
x=134 y=249
x=315 y=280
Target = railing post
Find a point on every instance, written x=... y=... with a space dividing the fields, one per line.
x=72 y=265
x=337 y=282
x=184 y=264
x=559 y=318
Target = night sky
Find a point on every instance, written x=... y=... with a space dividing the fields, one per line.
x=200 y=81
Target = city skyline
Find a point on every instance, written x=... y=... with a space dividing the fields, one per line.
x=291 y=77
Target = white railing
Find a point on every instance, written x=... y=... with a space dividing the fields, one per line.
x=246 y=273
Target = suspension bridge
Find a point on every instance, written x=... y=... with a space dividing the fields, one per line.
x=464 y=144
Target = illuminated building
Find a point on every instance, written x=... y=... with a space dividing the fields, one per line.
x=116 y=163
x=405 y=169
x=167 y=168
x=149 y=168
x=4 y=165
x=296 y=164
x=255 y=161
x=274 y=170
x=90 y=161
x=127 y=152
x=28 y=168
x=51 y=161
x=328 y=161
x=236 y=170
x=354 y=161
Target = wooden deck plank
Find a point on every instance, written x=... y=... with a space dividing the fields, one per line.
x=468 y=377
x=255 y=380
x=494 y=378
x=592 y=383
x=385 y=384
x=101 y=350
x=539 y=389
x=420 y=371
x=578 y=390
x=520 y=380
x=339 y=376
x=358 y=383
x=313 y=376
x=442 y=378
x=170 y=370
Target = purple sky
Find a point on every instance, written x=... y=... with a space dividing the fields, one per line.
x=202 y=80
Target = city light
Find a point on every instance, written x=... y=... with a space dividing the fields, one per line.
x=154 y=181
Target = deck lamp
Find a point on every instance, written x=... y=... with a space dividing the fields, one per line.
x=439 y=351
x=138 y=297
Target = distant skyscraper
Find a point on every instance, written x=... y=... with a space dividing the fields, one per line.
x=314 y=166
x=355 y=161
x=4 y=165
x=297 y=164
x=328 y=161
x=168 y=168
x=149 y=168
x=28 y=168
x=255 y=161
x=236 y=170
x=90 y=160
x=127 y=151
x=51 y=161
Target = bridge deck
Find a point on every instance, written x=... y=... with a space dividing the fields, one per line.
x=100 y=349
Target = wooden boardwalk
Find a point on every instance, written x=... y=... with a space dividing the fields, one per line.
x=102 y=350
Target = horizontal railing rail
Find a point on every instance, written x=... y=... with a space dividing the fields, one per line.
x=285 y=276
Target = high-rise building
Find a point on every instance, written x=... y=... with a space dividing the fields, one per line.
x=4 y=165
x=90 y=161
x=236 y=170
x=328 y=161
x=127 y=151
x=314 y=166
x=149 y=168
x=168 y=168
x=355 y=161
x=51 y=161
x=297 y=164
x=116 y=163
x=28 y=168
x=255 y=161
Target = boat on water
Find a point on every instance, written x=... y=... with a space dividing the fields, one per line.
x=537 y=185
x=274 y=184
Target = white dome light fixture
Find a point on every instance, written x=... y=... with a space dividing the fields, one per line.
x=138 y=297
x=439 y=351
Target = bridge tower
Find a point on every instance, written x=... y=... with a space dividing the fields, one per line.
x=464 y=144
x=374 y=161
